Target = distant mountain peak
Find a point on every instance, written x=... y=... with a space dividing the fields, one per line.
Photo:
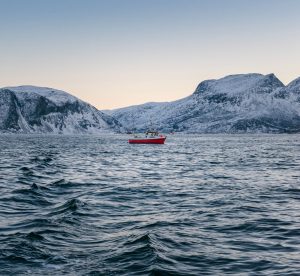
x=235 y=84
x=55 y=95
x=272 y=81
x=295 y=84
x=32 y=109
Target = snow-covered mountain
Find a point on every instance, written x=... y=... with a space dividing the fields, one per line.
x=233 y=104
x=31 y=109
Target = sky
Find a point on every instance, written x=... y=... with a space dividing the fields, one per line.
x=116 y=53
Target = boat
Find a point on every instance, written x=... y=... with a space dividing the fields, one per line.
x=151 y=137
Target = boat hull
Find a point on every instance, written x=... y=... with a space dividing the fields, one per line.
x=159 y=140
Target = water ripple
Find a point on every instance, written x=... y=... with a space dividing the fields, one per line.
x=198 y=205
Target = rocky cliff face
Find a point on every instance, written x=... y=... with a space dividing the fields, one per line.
x=234 y=104
x=29 y=109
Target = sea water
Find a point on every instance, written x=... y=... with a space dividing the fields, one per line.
x=198 y=205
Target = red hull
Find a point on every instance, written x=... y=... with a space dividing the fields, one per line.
x=160 y=140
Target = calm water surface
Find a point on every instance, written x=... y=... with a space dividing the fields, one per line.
x=198 y=205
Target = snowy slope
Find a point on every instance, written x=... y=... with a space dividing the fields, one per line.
x=233 y=104
x=58 y=97
x=30 y=109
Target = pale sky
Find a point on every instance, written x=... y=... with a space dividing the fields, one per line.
x=115 y=53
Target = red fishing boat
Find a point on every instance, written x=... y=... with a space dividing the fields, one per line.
x=151 y=137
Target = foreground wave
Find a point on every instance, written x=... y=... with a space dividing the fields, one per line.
x=215 y=205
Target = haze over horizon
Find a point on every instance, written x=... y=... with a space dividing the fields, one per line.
x=117 y=53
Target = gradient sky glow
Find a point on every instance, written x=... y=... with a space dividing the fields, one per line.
x=115 y=53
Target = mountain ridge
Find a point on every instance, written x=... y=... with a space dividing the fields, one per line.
x=241 y=103
x=32 y=109
x=238 y=103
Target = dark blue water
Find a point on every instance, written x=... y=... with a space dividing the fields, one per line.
x=198 y=205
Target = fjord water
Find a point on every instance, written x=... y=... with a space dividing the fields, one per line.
x=198 y=205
